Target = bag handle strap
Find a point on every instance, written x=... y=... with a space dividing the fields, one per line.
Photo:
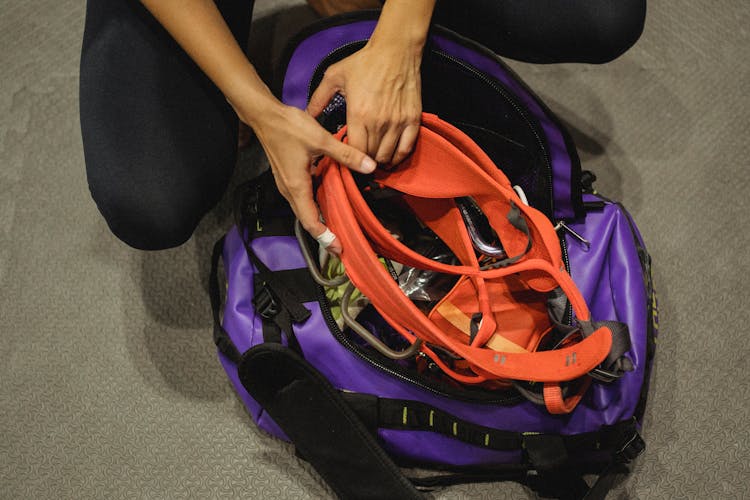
x=323 y=428
x=332 y=434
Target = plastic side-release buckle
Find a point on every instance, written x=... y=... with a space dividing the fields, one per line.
x=631 y=449
x=265 y=303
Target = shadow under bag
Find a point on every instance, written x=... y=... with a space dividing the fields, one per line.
x=492 y=317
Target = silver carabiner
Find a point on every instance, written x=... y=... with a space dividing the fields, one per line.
x=468 y=212
x=368 y=337
x=356 y=327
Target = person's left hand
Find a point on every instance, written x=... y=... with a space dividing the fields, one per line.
x=382 y=86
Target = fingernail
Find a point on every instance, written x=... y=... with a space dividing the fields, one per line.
x=368 y=165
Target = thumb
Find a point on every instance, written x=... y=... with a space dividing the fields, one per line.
x=322 y=95
x=349 y=156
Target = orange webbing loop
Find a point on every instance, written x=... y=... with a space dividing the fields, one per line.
x=446 y=164
x=555 y=402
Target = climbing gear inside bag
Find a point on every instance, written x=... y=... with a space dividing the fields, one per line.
x=499 y=261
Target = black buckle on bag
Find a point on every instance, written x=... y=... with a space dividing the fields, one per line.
x=265 y=302
x=631 y=449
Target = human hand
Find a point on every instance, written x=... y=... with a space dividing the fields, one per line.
x=292 y=140
x=382 y=86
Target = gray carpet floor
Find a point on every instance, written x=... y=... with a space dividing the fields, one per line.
x=109 y=383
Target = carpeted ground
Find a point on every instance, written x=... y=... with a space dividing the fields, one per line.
x=109 y=383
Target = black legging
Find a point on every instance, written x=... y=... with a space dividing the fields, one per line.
x=160 y=140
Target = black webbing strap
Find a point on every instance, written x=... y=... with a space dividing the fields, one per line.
x=449 y=479
x=544 y=450
x=295 y=285
x=605 y=481
x=335 y=432
x=282 y=292
x=221 y=337
x=276 y=298
x=299 y=280
x=620 y=341
x=564 y=484
x=265 y=304
x=260 y=208
x=414 y=415
x=273 y=226
x=326 y=432
x=616 y=363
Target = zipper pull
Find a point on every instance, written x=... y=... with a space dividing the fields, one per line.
x=561 y=225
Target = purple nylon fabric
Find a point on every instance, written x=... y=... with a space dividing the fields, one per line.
x=240 y=322
x=609 y=276
x=238 y=316
x=655 y=317
x=315 y=48
x=311 y=51
x=607 y=271
x=244 y=328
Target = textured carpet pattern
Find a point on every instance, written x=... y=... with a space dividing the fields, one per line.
x=110 y=387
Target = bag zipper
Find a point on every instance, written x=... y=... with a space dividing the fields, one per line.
x=495 y=85
x=568 y=316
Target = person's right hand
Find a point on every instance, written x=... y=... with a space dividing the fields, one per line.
x=292 y=140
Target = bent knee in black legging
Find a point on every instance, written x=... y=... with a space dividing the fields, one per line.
x=619 y=24
x=159 y=139
x=153 y=216
x=548 y=31
x=145 y=221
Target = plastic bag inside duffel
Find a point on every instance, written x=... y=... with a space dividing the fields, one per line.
x=417 y=416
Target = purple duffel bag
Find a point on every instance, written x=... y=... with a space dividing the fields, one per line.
x=417 y=419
